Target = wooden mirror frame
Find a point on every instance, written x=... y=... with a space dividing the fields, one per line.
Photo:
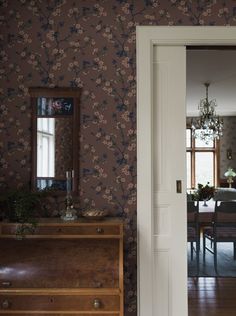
x=75 y=93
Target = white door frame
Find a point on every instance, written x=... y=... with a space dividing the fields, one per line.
x=147 y=38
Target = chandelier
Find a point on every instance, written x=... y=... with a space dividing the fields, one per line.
x=208 y=126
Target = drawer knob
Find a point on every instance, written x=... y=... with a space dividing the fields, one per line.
x=97 y=284
x=97 y=303
x=5 y=304
x=99 y=230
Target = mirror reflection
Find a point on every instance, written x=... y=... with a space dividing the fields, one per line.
x=55 y=135
x=55 y=106
x=54 y=148
x=54 y=141
x=46 y=147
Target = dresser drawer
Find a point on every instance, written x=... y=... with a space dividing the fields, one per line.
x=96 y=230
x=59 y=263
x=59 y=303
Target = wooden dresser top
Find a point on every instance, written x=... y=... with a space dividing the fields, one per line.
x=81 y=221
x=57 y=228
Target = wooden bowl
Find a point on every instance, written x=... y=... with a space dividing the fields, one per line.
x=94 y=214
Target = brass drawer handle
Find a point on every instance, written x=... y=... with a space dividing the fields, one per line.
x=97 y=303
x=6 y=304
x=6 y=283
x=97 y=284
x=99 y=230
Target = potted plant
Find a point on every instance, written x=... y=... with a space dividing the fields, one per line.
x=204 y=192
x=21 y=206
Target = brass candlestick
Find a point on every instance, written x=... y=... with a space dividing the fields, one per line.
x=69 y=214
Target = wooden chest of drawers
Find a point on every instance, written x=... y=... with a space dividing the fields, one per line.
x=64 y=268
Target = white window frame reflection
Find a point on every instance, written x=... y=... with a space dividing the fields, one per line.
x=204 y=167
x=45 y=147
x=195 y=146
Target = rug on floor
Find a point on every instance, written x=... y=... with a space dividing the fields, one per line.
x=226 y=263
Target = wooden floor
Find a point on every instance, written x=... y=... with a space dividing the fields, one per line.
x=212 y=296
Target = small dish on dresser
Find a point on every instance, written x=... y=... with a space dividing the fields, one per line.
x=94 y=214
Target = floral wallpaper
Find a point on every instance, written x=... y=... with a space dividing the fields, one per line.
x=89 y=44
x=228 y=142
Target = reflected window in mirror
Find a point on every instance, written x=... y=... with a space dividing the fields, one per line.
x=46 y=147
x=202 y=161
x=55 y=138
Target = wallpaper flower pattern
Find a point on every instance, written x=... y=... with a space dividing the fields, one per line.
x=228 y=141
x=89 y=44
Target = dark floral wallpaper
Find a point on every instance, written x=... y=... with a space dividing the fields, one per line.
x=89 y=44
x=228 y=141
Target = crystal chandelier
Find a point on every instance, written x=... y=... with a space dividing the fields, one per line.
x=208 y=126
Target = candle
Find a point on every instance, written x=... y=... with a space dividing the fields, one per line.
x=68 y=181
x=68 y=174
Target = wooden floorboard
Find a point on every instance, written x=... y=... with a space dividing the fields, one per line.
x=212 y=296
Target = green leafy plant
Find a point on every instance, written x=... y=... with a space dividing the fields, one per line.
x=21 y=206
x=204 y=192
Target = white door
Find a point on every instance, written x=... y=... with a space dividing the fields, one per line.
x=166 y=258
x=161 y=87
x=169 y=198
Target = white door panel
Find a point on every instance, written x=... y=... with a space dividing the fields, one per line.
x=169 y=230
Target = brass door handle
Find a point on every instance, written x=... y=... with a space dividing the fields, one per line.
x=97 y=303
x=5 y=304
x=178 y=186
x=99 y=230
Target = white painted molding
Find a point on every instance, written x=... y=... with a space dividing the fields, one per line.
x=144 y=152
x=189 y=35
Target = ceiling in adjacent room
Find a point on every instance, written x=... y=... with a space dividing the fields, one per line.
x=217 y=67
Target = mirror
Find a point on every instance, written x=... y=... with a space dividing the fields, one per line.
x=55 y=137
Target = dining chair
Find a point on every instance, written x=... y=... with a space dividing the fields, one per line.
x=193 y=229
x=223 y=229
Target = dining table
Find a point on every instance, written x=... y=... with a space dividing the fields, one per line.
x=206 y=212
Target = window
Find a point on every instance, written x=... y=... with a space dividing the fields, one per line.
x=201 y=161
x=46 y=147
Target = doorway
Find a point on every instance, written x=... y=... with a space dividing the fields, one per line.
x=211 y=70
x=167 y=244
